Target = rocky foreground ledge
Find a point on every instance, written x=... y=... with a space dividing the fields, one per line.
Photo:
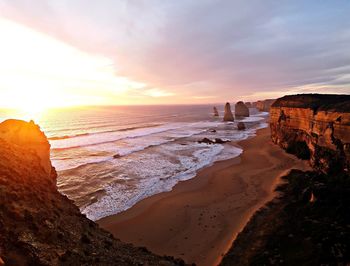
x=38 y=225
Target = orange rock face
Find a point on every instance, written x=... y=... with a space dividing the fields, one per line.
x=264 y=106
x=320 y=132
x=28 y=135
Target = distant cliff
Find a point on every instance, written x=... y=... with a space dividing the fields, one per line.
x=314 y=127
x=38 y=225
x=263 y=105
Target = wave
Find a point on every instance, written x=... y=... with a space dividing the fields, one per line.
x=101 y=132
x=118 y=152
x=67 y=137
x=108 y=137
x=158 y=170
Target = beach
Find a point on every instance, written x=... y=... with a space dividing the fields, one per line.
x=199 y=218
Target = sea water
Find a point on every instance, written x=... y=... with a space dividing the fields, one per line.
x=109 y=158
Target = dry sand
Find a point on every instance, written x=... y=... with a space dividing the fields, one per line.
x=199 y=219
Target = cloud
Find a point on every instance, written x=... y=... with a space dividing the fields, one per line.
x=205 y=48
x=156 y=93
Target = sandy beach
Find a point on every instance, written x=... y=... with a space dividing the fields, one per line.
x=199 y=219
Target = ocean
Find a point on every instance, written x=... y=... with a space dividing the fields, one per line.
x=109 y=158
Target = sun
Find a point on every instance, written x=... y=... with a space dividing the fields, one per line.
x=31 y=112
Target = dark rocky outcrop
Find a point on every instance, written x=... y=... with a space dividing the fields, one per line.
x=314 y=127
x=38 y=225
x=308 y=224
x=241 y=126
x=228 y=116
x=215 y=111
x=241 y=110
x=209 y=141
x=248 y=104
x=220 y=141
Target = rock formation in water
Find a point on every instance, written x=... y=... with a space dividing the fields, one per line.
x=215 y=111
x=215 y=141
x=241 y=110
x=241 y=126
x=314 y=127
x=248 y=104
x=38 y=225
x=228 y=116
x=264 y=105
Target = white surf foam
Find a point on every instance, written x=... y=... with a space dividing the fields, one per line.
x=174 y=155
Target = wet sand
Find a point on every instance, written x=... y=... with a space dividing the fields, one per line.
x=199 y=219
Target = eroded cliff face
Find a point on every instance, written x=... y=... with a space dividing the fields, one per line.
x=314 y=127
x=264 y=105
x=38 y=225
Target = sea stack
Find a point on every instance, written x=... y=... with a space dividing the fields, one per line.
x=228 y=116
x=248 y=104
x=241 y=110
x=215 y=111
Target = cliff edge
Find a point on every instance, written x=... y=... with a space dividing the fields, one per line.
x=307 y=223
x=38 y=225
x=314 y=127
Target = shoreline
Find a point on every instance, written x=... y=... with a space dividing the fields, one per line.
x=199 y=219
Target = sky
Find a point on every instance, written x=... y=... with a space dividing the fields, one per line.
x=106 y=52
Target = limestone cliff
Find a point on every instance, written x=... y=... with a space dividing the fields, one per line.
x=38 y=225
x=264 y=105
x=241 y=110
x=315 y=127
x=228 y=116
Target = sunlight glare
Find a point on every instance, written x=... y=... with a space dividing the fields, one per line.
x=38 y=72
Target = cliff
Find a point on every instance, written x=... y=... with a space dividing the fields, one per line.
x=264 y=105
x=38 y=225
x=314 y=127
x=308 y=222
x=228 y=116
